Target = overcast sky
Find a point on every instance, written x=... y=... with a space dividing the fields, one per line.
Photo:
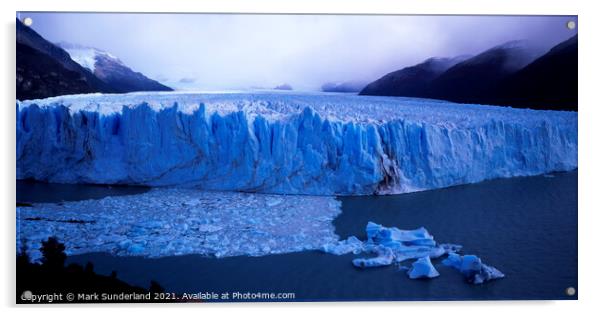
x=211 y=51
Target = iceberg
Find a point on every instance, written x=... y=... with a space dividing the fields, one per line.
x=349 y=245
x=392 y=245
x=384 y=257
x=422 y=268
x=472 y=268
x=395 y=238
x=286 y=142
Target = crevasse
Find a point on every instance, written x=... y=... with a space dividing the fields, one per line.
x=291 y=144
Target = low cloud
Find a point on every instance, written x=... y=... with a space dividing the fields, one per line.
x=230 y=51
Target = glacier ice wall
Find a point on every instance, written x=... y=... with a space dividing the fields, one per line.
x=321 y=144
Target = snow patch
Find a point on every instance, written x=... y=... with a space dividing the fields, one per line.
x=86 y=56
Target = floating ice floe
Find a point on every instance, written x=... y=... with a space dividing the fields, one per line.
x=423 y=268
x=392 y=245
x=165 y=222
x=472 y=268
x=286 y=143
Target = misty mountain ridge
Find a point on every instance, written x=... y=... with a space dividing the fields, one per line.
x=45 y=69
x=496 y=76
x=512 y=55
x=85 y=55
x=111 y=69
x=346 y=86
x=284 y=86
x=474 y=79
x=549 y=81
x=411 y=81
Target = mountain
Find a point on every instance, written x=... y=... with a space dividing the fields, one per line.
x=411 y=81
x=45 y=70
x=111 y=70
x=510 y=74
x=476 y=79
x=550 y=81
x=284 y=86
x=347 y=86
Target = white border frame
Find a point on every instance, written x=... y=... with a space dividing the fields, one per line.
x=589 y=153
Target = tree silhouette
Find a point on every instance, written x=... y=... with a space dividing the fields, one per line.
x=53 y=276
x=53 y=254
x=22 y=256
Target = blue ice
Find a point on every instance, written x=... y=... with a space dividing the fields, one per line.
x=391 y=245
x=286 y=142
x=422 y=268
x=473 y=269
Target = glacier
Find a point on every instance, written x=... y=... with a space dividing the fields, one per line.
x=286 y=142
x=179 y=221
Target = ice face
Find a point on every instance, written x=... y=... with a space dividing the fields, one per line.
x=284 y=142
x=165 y=222
x=390 y=245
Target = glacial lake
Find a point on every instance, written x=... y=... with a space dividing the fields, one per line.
x=526 y=227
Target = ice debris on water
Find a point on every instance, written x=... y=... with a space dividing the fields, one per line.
x=349 y=245
x=391 y=245
x=178 y=221
x=472 y=268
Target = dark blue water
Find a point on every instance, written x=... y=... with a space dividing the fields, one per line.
x=40 y=192
x=525 y=227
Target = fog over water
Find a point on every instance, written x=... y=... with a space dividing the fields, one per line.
x=228 y=51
